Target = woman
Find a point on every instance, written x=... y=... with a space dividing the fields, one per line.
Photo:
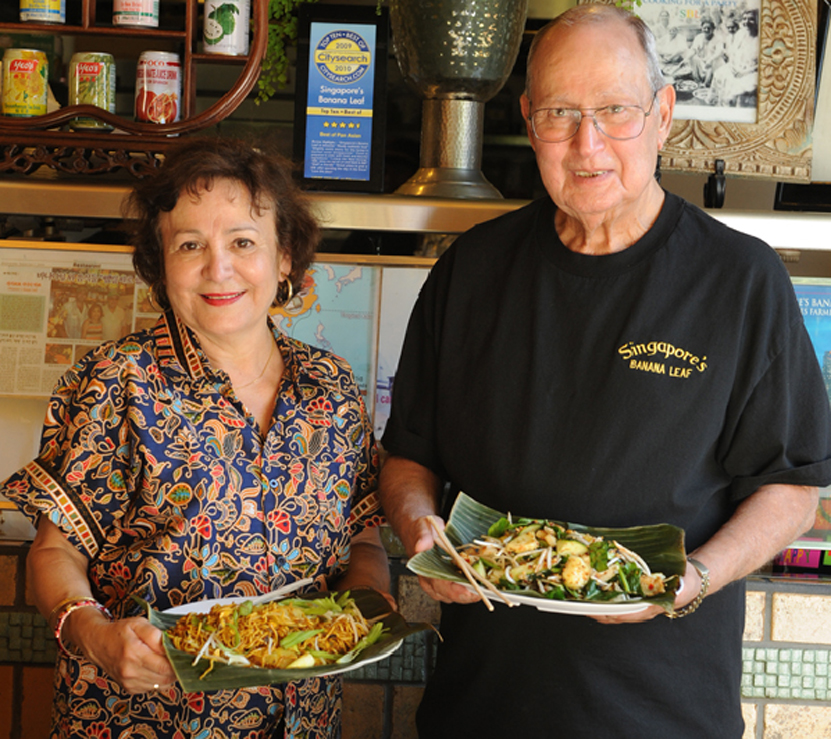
x=93 y=328
x=207 y=457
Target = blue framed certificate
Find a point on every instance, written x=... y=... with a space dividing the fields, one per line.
x=340 y=112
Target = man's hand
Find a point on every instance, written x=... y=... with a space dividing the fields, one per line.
x=441 y=590
x=686 y=593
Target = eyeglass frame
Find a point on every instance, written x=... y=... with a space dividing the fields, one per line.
x=593 y=111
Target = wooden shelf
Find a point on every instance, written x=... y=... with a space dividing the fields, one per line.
x=91 y=30
x=26 y=144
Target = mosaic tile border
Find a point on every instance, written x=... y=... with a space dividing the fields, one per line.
x=800 y=674
x=767 y=672
x=408 y=664
x=25 y=637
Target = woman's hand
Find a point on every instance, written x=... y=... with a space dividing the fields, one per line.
x=130 y=650
x=368 y=566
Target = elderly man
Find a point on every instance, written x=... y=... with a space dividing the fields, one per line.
x=520 y=384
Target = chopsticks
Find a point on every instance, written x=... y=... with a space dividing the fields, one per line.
x=471 y=574
x=280 y=592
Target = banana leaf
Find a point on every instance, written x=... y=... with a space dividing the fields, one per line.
x=661 y=546
x=226 y=677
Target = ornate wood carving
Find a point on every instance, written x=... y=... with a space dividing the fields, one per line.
x=76 y=159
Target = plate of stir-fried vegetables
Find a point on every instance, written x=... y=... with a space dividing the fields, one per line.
x=555 y=565
x=238 y=642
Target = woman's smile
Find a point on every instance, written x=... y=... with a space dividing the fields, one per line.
x=222 y=263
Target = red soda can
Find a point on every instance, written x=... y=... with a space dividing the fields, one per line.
x=158 y=87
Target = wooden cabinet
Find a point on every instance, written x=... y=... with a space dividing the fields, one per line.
x=29 y=143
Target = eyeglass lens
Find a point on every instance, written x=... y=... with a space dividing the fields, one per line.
x=615 y=121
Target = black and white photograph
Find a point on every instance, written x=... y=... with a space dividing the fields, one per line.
x=709 y=51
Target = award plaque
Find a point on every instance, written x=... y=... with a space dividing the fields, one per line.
x=340 y=112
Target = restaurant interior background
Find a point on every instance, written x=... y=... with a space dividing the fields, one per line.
x=786 y=685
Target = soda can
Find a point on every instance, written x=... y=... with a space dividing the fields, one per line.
x=43 y=11
x=158 y=87
x=25 y=86
x=225 y=27
x=92 y=82
x=136 y=13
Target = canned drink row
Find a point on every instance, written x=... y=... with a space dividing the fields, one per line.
x=92 y=78
x=135 y=13
x=225 y=22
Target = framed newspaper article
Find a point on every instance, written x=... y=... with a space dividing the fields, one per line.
x=744 y=75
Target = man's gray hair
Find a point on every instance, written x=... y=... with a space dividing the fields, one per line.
x=584 y=14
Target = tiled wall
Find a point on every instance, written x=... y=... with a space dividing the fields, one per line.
x=27 y=653
x=786 y=682
x=786 y=685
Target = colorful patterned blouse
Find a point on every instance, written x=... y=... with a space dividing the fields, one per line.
x=154 y=470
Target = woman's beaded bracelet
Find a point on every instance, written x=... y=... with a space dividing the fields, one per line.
x=71 y=605
x=50 y=619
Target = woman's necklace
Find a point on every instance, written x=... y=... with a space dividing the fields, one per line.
x=260 y=376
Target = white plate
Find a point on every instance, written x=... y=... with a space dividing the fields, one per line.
x=203 y=606
x=573 y=607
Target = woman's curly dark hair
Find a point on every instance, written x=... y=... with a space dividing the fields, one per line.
x=194 y=165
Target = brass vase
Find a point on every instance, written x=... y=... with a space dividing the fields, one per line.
x=457 y=54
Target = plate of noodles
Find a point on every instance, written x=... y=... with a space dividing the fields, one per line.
x=234 y=643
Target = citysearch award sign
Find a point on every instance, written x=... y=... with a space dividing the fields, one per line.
x=341 y=75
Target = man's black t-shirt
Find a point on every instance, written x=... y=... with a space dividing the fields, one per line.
x=663 y=383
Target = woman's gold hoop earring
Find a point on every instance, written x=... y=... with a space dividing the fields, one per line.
x=289 y=292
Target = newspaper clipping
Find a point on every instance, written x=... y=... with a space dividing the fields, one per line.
x=57 y=305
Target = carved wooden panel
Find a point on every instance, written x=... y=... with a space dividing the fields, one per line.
x=77 y=159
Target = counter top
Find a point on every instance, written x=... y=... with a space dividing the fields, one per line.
x=86 y=198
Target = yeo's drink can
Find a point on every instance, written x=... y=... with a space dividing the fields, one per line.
x=92 y=82
x=25 y=86
x=158 y=87
x=225 y=27
x=43 y=11
x=137 y=13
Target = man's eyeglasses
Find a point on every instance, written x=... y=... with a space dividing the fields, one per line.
x=620 y=122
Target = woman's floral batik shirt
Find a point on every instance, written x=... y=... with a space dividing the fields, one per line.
x=153 y=468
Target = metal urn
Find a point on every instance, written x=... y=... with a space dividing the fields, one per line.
x=457 y=54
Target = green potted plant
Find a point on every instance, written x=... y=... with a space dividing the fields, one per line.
x=282 y=33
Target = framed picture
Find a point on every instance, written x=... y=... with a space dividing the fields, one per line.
x=710 y=55
x=340 y=113
x=744 y=74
